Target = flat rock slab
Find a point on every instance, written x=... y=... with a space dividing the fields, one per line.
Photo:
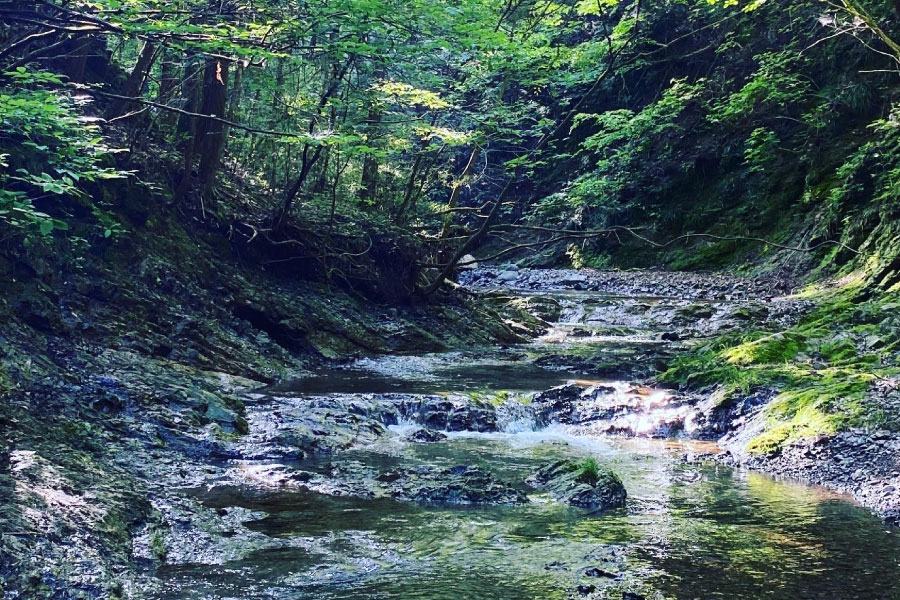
x=459 y=485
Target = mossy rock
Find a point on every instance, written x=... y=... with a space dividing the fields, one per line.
x=582 y=484
x=694 y=312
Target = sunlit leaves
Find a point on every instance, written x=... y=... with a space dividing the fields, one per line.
x=57 y=151
x=444 y=134
x=594 y=7
x=405 y=94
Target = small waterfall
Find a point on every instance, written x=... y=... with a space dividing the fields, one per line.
x=516 y=415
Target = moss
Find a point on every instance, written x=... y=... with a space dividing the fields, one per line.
x=492 y=398
x=839 y=350
x=822 y=367
x=814 y=408
x=694 y=312
x=588 y=471
x=158 y=544
x=777 y=348
x=6 y=382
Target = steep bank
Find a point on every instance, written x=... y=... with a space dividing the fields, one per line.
x=121 y=368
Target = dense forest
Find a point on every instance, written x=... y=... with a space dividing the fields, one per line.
x=299 y=294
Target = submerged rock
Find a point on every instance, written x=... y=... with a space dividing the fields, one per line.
x=585 y=484
x=460 y=485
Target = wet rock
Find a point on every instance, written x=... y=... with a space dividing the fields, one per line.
x=459 y=485
x=457 y=414
x=585 y=485
x=225 y=417
x=556 y=404
x=545 y=308
x=598 y=572
x=299 y=427
x=425 y=436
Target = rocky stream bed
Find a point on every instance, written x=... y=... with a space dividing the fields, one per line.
x=550 y=469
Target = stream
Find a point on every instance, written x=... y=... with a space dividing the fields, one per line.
x=689 y=529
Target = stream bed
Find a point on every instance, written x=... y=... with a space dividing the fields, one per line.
x=689 y=530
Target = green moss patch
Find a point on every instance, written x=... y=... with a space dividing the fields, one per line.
x=822 y=368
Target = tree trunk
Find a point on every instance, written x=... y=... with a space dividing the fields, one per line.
x=410 y=187
x=168 y=84
x=211 y=135
x=457 y=188
x=188 y=129
x=369 y=191
x=135 y=82
x=308 y=161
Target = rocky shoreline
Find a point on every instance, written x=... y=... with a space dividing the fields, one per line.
x=859 y=463
x=161 y=441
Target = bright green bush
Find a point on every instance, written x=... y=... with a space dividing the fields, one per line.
x=48 y=151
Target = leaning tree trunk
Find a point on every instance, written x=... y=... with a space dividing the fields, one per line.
x=457 y=189
x=135 y=82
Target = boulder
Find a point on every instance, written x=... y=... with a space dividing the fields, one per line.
x=584 y=484
x=507 y=276
x=556 y=404
x=468 y=263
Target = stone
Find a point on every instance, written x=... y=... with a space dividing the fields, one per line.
x=460 y=485
x=425 y=436
x=584 y=485
x=468 y=263
x=598 y=572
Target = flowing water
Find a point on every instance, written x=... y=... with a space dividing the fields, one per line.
x=688 y=531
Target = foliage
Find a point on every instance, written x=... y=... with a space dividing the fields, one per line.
x=588 y=471
x=726 y=117
x=48 y=150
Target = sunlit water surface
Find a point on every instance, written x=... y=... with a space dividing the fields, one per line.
x=688 y=531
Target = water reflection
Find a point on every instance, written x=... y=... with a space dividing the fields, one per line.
x=688 y=531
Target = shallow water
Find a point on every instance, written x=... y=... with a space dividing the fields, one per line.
x=688 y=531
